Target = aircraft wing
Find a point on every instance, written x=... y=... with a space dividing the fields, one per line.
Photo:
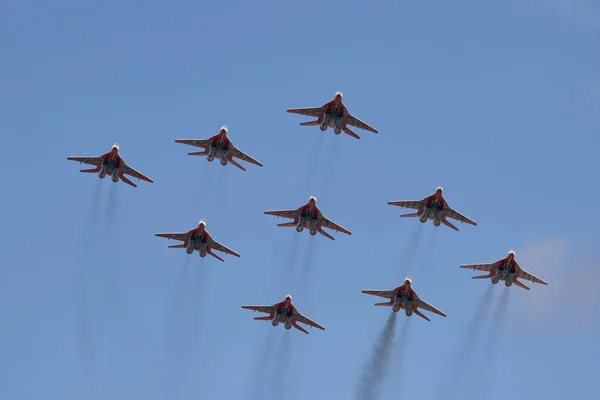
x=301 y=318
x=532 y=278
x=174 y=236
x=195 y=142
x=87 y=160
x=426 y=306
x=218 y=246
x=284 y=213
x=332 y=225
x=414 y=204
x=480 y=267
x=241 y=155
x=265 y=309
x=352 y=120
x=458 y=216
x=311 y=112
x=388 y=294
x=128 y=170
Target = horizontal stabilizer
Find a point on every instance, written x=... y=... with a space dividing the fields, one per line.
x=287 y=224
x=236 y=164
x=349 y=132
x=410 y=215
x=420 y=314
x=448 y=224
x=214 y=255
x=97 y=169
x=295 y=324
x=327 y=235
x=198 y=153
x=520 y=284
x=126 y=180
x=310 y=123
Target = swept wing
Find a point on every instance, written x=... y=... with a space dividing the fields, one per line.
x=311 y=112
x=352 y=120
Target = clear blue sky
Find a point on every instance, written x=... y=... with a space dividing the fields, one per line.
x=497 y=103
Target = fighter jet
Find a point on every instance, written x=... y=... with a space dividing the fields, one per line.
x=404 y=297
x=220 y=147
x=112 y=164
x=333 y=114
x=309 y=216
x=284 y=312
x=433 y=207
x=198 y=239
x=506 y=270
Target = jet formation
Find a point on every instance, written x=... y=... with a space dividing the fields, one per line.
x=332 y=114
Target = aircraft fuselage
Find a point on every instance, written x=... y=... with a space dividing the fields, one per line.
x=197 y=242
x=403 y=300
x=332 y=119
x=434 y=212
x=111 y=167
x=307 y=221
x=284 y=316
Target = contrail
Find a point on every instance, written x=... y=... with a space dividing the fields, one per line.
x=110 y=259
x=261 y=367
x=400 y=352
x=374 y=373
x=461 y=362
x=329 y=165
x=495 y=336
x=221 y=185
x=176 y=332
x=314 y=158
x=83 y=282
x=280 y=366
x=293 y=254
x=432 y=244
x=409 y=254
x=307 y=268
